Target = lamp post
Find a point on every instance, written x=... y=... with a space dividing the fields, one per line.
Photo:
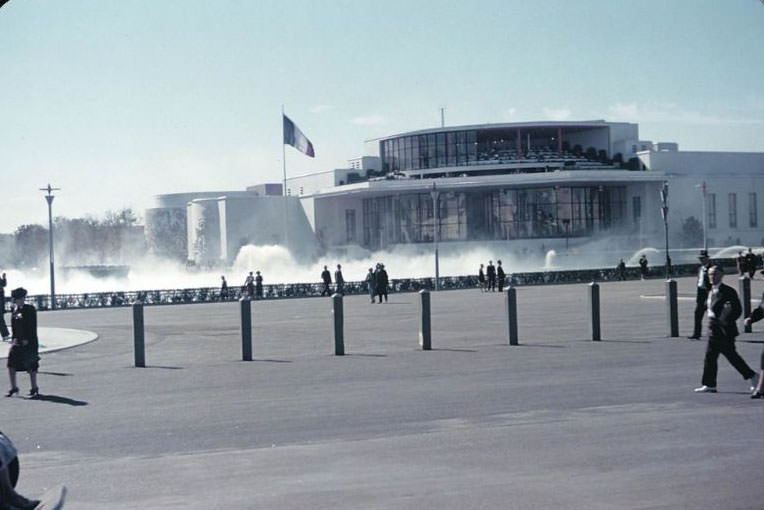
x=664 y=213
x=434 y=193
x=704 y=189
x=49 y=198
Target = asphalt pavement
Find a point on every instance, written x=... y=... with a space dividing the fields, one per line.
x=558 y=421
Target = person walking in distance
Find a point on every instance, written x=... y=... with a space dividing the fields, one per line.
x=500 y=275
x=724 y=308
x=223 y=288
x=258 y=285
x=326 y=277
x=381 y=282
x=481 y=278
x=3 y=327
x=757 y=315
x=490 y=272
x=643 y=270
x=750 y=263
x=701 y=296
x=621 y=270
x=371 y=282
x=23 y=355
x=339 y=280
x=249 y=283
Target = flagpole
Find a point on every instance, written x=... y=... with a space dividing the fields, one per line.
x=284 y=190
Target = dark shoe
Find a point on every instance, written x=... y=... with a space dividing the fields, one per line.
x=705 y=389
x=757 y=394
x=34 y=392
x=11 y=392
x=693 y=337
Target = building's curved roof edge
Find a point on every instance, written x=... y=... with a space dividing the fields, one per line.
x=504 y=125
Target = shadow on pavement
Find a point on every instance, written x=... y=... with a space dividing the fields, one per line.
x=59 y=400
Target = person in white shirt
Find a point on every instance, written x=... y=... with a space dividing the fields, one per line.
x=724 y=308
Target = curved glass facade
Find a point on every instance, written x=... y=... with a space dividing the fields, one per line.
x=468 y=147
x=497 y=214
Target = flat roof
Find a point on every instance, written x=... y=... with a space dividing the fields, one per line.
x=509 y=125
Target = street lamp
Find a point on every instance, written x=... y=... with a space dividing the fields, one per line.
x=664 y=213
x=434 y=193
x=704 y=191
x=49 y=198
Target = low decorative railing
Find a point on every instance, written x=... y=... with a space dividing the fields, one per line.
x=302 y=290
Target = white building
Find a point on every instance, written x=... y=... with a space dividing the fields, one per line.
x=522 y=185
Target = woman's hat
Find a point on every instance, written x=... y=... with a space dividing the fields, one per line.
x=19 y=293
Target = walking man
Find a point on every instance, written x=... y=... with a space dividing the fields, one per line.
x=339 y=280
x=723 y=310
x=502 y=276
x=223 y=288
x=259 y=285
x=704 y=284
x=326 y=277
x=490 y=272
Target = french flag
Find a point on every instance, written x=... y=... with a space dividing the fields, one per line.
x=294 y=137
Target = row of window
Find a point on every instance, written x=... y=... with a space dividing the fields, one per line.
x=753 y=218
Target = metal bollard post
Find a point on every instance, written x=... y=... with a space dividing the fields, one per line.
x=138 y=343
x=246 y=330
x=339 y=333
x=594 y=311
x=745 y=299
x=425 y=332
x=672 y=314
x=511 y=301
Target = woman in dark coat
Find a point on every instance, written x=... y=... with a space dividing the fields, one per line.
x=23 y=355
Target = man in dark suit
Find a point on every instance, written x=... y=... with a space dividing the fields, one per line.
x=724 y=308
x=326 y=277
x=704 y=284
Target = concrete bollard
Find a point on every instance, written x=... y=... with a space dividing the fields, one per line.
x=511 y=302
x=246 y=330
x=594 y=311
x=138 y=339
x=745 y=299
x=672 y=309
x=425 y=332
x=339 y=328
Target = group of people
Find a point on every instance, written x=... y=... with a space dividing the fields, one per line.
x=376 y=281
x=253 y=286
x=747 y=263
x=23 y=355
x=722 y=306
x=487 y=278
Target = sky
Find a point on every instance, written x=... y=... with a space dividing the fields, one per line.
x=114 y=102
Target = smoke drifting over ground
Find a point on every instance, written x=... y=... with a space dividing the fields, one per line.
x=278 y=266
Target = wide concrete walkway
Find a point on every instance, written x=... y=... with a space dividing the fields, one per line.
x=56 y=339
x=556 y=422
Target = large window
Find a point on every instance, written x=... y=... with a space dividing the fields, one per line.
x=712 y=210
x=493 y=214
x=350 y=225
x=733 y=210
x=753 y=217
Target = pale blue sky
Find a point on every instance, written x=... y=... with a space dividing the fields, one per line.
x=115 y=101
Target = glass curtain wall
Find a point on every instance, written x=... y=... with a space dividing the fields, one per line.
x=500 y=214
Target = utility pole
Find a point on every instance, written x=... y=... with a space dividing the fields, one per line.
x=664 y=213
x=434 y=193
x=49 y=198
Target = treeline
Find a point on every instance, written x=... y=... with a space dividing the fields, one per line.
x=113 y=239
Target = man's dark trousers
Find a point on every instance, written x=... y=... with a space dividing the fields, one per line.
x=722 y=345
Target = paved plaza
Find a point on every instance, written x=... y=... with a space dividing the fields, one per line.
x=556 y=422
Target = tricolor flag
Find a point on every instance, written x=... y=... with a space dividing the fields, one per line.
x=294 y=137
